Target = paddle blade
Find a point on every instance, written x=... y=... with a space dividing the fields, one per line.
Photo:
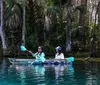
x=71 y=59
x=23 y=48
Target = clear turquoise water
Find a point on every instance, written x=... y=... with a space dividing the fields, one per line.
x=81 y=73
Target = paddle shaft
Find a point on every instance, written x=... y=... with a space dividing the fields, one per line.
x=67 y=59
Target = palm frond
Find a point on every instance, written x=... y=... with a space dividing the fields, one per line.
x=12 y=15
x=53 y=10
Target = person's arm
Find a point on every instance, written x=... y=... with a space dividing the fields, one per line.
x=30 y=52
x=56 y=55
x=42 y=57
x=33 y=54
x=62 y=56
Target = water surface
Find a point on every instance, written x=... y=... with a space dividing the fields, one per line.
x=81 y=73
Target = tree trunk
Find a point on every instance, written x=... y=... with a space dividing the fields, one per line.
x=68 y=29
x=94 y=50
x=23 y=27
x=83 y=10
x=2 y=34
x=81 y=19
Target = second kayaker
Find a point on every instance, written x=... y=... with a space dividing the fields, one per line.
x=59 y=54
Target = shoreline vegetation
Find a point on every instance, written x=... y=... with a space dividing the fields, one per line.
x=86 y=59
x=78 y=57
x=73 y=26
x=90 y=59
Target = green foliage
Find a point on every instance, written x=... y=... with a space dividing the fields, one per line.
x=82 y=8
x=53 y=10
x=12 y=24
x=81 y=55
x=52 y=32
x=31 y=42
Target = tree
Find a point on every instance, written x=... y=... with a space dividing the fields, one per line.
x=94 y=33
x=12 y=24
x=2 y=33
x=68 y=29
x=82 y=12
x=23 y=27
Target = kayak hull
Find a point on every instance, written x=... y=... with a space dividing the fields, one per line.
x=33 y=62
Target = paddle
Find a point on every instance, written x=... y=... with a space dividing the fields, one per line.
x=71 y=59
x=24 y=49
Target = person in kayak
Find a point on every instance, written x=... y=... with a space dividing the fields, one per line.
x=59 y=54
x=40 y=56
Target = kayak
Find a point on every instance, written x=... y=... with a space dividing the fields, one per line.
x=47 y=62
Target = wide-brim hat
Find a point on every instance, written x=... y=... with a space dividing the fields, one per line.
x=58 y=48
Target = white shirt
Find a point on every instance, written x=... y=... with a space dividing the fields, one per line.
x=59 y=56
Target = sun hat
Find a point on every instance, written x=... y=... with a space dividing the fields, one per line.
x=58 y=48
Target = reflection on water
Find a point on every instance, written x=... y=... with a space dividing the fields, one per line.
x=37 y=74
x=40 y=70
x=3 y=66
x=92 y=73
x=81 y=73
x=59 y=71
x=61 y=68
x=29 y=73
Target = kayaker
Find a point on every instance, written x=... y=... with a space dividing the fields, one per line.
x=59 y=54
x=40 y=56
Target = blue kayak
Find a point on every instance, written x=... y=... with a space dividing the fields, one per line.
x=47 y=62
